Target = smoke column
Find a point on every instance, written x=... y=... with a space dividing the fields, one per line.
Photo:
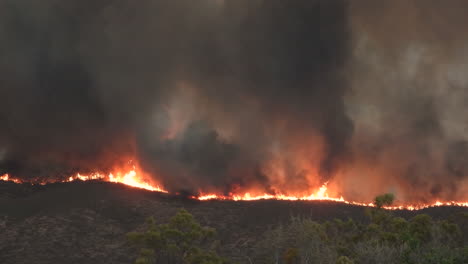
x=272 y=95
x=408 y=80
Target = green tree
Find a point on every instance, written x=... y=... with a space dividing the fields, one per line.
x=384 y=200
x=420 y=227
x=182 y=240
x=379 y=215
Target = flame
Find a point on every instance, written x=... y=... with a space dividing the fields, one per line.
x=136 y=179
x=6 y=177
x=131 y=178
x=321 y=195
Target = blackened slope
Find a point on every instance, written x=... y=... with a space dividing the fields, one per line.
x=57 y=223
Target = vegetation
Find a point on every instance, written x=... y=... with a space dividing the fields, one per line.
x=182 y=240
x=385 y=238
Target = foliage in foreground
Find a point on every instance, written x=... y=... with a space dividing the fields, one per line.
x=386 y=239
x=182 y=240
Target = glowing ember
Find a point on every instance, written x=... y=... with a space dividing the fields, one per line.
x=6 y=177
x=134 y=179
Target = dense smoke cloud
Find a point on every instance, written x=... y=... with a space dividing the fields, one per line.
x=220 y=95
x=208 y=92
x=408 y=77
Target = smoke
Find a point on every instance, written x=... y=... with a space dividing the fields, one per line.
x=237 y=95
x=207 y=94
x=52 y=120
x=408 y=104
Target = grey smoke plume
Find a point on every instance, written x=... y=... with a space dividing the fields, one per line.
x=236 y=83
x=408 y=77
x=220 y=95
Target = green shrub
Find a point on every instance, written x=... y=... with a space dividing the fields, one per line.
x=384 y=200
x=420 y=227
x=386 y=239
x=182 y=240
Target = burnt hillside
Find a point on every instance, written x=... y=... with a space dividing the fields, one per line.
x=86 y=222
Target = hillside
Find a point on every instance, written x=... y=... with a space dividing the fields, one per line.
x=86 y=222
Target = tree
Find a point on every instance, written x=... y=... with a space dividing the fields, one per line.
x=379 y=215
x=183 y=240
x=384 y=200
x=420 y=227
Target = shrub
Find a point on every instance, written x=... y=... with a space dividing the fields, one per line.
x=384 y=200
x=386 y=240
x=183 y=240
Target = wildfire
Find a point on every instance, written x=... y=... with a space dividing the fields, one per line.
x=6 y=177
x=131 y=178
x=321 y=194
x=135 y=179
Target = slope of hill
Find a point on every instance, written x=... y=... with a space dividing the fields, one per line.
x=86 y=222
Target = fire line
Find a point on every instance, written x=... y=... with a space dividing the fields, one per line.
x=132 y=179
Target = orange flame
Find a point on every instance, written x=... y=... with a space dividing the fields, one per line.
x=322 y=195
x=135 y=179
x=131 y=178
x=6 y=177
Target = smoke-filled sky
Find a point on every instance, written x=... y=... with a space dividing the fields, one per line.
x=218 y=95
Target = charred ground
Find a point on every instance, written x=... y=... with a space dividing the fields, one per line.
x=56 y=223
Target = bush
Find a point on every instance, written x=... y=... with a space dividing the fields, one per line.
x=384 y=200
x=386 y=239
x=183 y=240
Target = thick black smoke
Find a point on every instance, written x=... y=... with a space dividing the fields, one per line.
x=219 y=95
x=87 y=83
